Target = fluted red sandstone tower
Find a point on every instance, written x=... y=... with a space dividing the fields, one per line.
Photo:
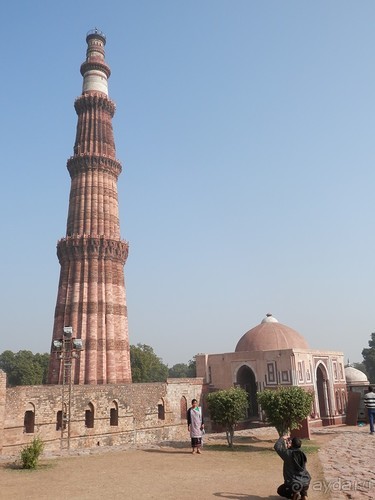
x=91 y=295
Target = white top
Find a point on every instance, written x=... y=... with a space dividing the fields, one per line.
x=269 y=319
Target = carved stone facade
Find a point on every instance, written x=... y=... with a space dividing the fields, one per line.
x=273 y=355
x=91 y=294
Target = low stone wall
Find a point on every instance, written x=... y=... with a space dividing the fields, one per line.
x=145 y=413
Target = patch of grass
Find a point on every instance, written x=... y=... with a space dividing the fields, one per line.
x=310 y=446
x=17 y=466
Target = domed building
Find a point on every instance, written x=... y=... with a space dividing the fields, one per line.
x=272 y=355
x=357 y=383
x=355 y=378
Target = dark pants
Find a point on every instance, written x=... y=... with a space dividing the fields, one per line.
x=288 y=490
x=371 y=418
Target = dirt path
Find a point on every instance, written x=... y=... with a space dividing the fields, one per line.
x=251 y=472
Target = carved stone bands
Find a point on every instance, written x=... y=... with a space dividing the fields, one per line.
x=88 y=247
x=94 y=101
x=82 y=163
x=91 y=308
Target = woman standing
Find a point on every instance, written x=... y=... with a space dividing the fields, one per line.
x=195 y=425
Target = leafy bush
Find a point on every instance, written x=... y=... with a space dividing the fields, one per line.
x=30 y=454
x=228 y=407
x=285 y=407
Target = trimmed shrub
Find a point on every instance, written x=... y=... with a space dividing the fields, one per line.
x=285 y=407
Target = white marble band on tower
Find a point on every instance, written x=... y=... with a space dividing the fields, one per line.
x=94 y=70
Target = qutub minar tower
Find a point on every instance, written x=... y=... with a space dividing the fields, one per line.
x=91 y=294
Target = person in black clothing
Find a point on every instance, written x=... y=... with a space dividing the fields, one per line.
x=296 y=477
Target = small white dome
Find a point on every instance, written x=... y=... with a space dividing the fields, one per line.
x=269 y=319
x=354 y=376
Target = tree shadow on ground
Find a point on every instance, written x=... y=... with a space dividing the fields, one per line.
x=224 y=448
x=252 y=439
x=240 y=444
x=175 y=444
x=243 y=496
x=248 y=448
x=165 y=450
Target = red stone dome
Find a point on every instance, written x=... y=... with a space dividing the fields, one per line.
x=271 y=335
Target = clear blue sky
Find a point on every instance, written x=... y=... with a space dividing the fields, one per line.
x=246 y=131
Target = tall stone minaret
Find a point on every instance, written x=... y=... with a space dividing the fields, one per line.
x=91 y=295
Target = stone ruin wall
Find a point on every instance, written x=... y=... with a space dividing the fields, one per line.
x=139 y=418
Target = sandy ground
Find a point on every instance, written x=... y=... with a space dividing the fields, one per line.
x=253 y=471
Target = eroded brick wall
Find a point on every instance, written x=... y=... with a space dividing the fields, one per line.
x=140 y=419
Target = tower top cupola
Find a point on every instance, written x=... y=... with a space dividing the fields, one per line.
x=95 y=70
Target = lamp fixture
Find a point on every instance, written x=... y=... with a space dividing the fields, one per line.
x=57 y=344
x=77 y=344
x=68 y=332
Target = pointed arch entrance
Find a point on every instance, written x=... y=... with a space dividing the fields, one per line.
x=246 y=380
x=322 y=385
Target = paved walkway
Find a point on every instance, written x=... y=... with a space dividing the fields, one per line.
x=348 y=462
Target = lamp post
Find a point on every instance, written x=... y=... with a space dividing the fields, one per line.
x=67 y=349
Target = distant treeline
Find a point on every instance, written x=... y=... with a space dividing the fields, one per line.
x=26 y=368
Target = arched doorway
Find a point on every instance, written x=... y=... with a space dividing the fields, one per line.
x=246 y=380
x=322 y=385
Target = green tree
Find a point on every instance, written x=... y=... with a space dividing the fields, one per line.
x=227 y=408
x=183 y=370
x=369 y=359
x=285 y=407
x=24 y=367
x=146 y=365
x=361 y=367
x=7 y=364
x=43 y=361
